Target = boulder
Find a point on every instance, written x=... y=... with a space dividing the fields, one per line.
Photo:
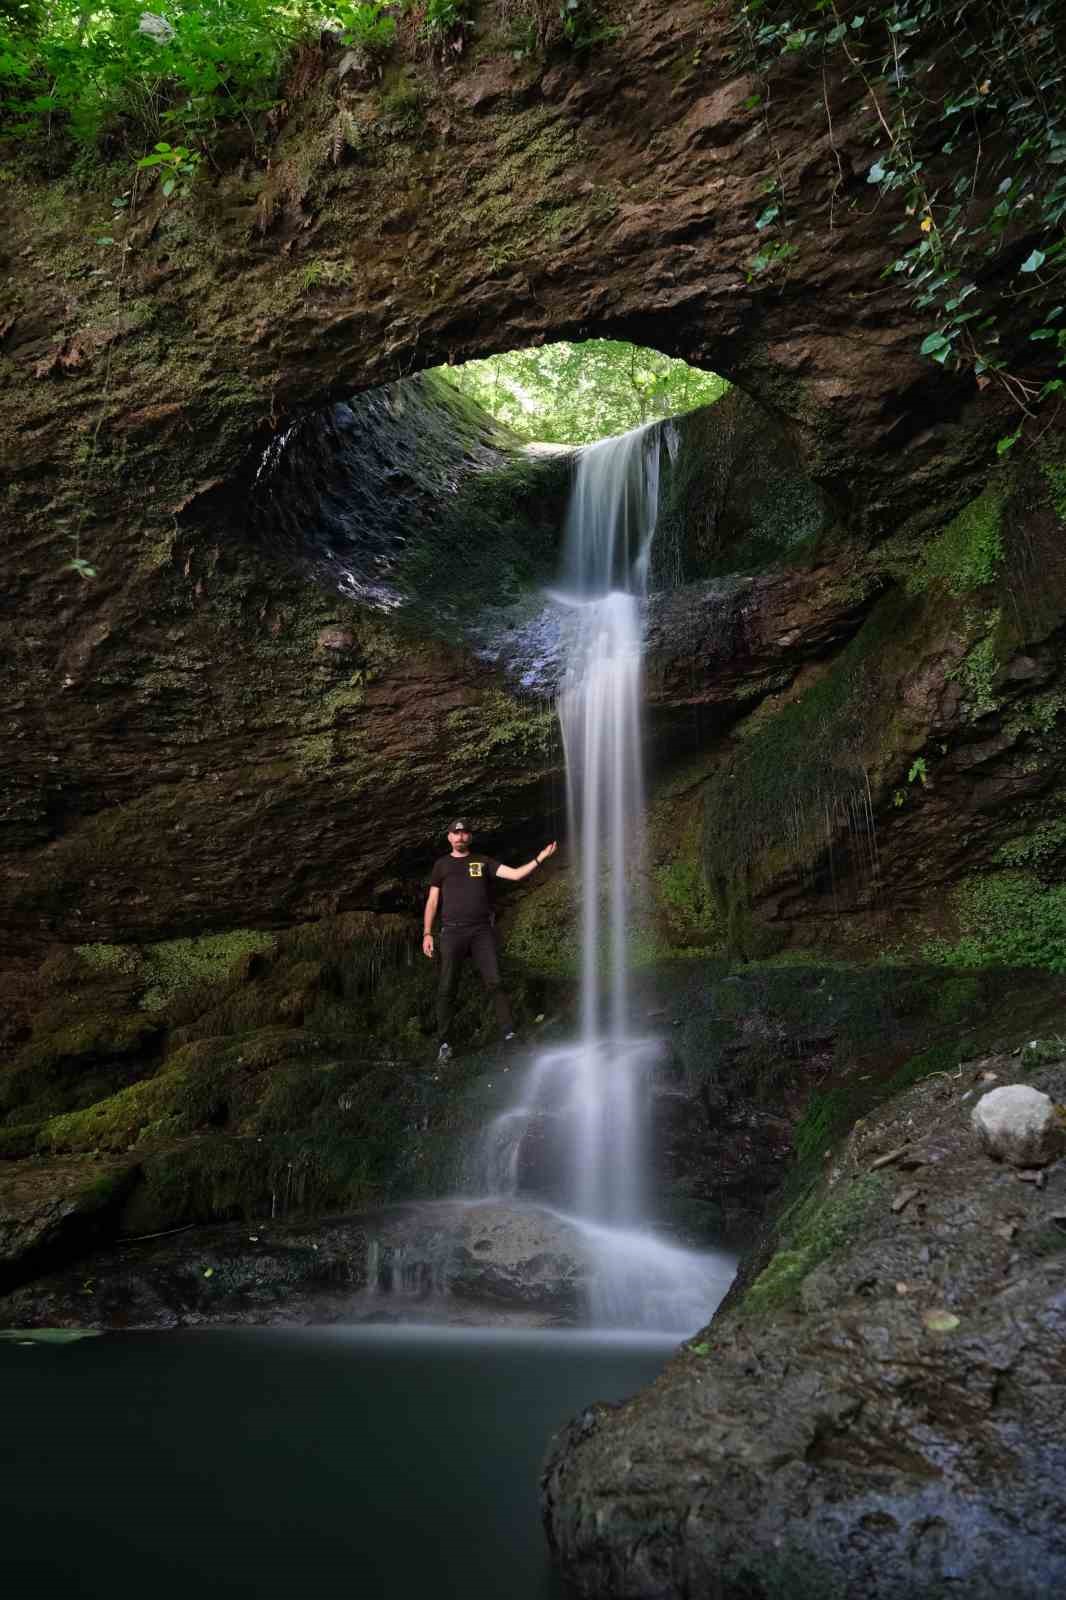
x=521 y=1256
x=876 y=1412
x=51 y=1212
x=1018 y=1124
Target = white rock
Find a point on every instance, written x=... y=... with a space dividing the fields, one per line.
x=155 y=27
x=1017 y=1124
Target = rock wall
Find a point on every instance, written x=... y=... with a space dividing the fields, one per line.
x=491 y=205
x=496 y=203
x=238 y=737
x=876 y=1413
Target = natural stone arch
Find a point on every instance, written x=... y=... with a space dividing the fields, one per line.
x=489 y=207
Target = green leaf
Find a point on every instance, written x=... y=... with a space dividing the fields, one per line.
x=1031 y=263
x=1008 y=441
x=876 y=173
x=764 y=220
x=940 y=1321
x=934 y=342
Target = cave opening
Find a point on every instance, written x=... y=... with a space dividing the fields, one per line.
x=440 y=495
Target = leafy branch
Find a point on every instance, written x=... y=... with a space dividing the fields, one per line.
x=968 y=129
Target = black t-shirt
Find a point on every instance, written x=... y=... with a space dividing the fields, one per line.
x=463 y=882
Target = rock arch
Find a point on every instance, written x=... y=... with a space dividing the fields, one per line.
x=441 y=215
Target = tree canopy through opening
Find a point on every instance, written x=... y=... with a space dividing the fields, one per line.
x=575 y=393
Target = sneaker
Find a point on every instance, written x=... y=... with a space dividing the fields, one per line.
x=444 y=1054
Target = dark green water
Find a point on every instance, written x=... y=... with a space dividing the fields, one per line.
x=315 y=1462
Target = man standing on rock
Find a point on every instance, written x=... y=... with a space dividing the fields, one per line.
x=459 y=888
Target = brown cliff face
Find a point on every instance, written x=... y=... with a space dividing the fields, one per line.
x=488 y=206
x=509 y=203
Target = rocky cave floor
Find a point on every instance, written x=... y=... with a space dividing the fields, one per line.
x=194 y=1163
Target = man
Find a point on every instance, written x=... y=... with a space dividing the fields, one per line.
x=459 y=888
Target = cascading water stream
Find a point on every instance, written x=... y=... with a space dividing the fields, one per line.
x=597 y=1088
x=607 y=540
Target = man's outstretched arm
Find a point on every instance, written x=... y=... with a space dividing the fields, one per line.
x=516 y=874
x=429 y=917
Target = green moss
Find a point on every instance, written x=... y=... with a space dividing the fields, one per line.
x=76 y=1062
x=315 y=752
x=942 y=1057
x=683 y=890
x=219 y=1177
x=169 y=1106
x=717 y=516
x=817 y=1225
x=494 y=539
x=1039 y=715
x=91 y=1038
x=18 y=1140
x=826 y=1115
x=346 y=697
x=969 y=552
x=527 y=194
x=1028 y=849
x=1006 y=919
x=109 y=957
x=1035 y=1052
x=956 y=998
x=542 y=934
x=401 y=108
x=979 y=669
x=799 y=778
x=500 y=726
x=1055 y=473
x=181 y=963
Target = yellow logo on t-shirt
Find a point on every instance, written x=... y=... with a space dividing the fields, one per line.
x=475 y=869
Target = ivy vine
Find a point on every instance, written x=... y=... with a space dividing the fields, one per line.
x=967 y=127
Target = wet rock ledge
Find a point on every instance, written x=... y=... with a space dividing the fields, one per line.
x=446 y=1261
x=877 y=1411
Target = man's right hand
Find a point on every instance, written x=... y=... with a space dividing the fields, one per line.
x=427 y=944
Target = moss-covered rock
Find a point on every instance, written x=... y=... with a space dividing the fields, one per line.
x=718 y=513
x=882 y=1329
x=414 y=498
x=51 y=1212
x=72 y=1063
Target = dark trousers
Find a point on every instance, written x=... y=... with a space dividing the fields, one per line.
x=479 y=943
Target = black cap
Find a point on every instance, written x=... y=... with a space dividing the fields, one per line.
x=459 y=826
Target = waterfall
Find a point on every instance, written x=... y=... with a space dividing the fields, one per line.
x=595 y=1091
x=607 y=541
